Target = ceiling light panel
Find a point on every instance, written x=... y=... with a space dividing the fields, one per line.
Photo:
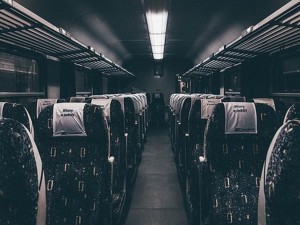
x=157 y=18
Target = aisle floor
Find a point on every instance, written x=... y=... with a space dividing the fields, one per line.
x=157 y=198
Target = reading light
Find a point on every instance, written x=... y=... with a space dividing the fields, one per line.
x=157 y=26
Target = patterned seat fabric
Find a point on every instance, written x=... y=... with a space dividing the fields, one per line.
x=76 y=167
x=292 y=113
x=234 y=164
x=279 y=192
x=22 y=187
x=17 y=112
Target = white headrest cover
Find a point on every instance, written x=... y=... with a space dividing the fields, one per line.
x=240 y=118
x=207 y=106
x=1 y=109
x=104 y=104
x=267 y=101
x=68 y=119
x=43 y=103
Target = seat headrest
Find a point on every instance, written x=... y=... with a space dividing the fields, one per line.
x=94 y=123
x=77 y=99
x=68 y=119
x=43 y=103
x=234 y=99
x=292 y=113
x=267 y=101
x=122 y=102
x=17 y=112
x=104 y=104
x=240 y=118
x=207 y=106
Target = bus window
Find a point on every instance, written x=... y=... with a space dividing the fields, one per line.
x=83 y=82
x=19 y=75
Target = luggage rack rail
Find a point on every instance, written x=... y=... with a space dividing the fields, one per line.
x=275 y=34
x=22 y=28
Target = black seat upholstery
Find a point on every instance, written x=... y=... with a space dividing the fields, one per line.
x=202 y=107
x=182 y=131
x=115 y=125
x=131 y=129
x=35 y=108
x=292 y=113
x=73 y=143
x=17 y=112
x=79 y=99
x=277 y=105
x=22 y=184
x=234 y=98
x=279 y=202
x=235 y=149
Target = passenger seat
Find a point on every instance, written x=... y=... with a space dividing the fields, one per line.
x=17 y=112
x=72 y=140
x=22 y=183
x=236 y=141
x=279 y=202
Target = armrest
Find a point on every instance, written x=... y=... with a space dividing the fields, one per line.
x=111 y=161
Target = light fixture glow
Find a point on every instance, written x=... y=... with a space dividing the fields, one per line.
x=158 y=49
x=158 y=56
x=157 y=26
x=157 y=39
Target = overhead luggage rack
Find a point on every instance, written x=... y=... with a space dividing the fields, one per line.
x=275 y=34
x=21 y=27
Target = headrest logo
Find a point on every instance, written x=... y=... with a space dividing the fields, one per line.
x=67 y=112
x=239 y=109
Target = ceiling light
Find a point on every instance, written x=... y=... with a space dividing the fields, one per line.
x=158 y=49
x=157 y=39
x=157 y=17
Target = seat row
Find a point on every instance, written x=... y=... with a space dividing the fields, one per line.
x=220 y=145
x=86 y=158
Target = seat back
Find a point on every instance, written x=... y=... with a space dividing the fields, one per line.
x=292 y=113
x=17 y=112
x=199 y=113
x=236 y=140
x=115 y=117
x=277 y=105
x=234 y=98
x=73 y=143
x=22 y=184
x=35 y=108
x=279 y=202
x=79 y=99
